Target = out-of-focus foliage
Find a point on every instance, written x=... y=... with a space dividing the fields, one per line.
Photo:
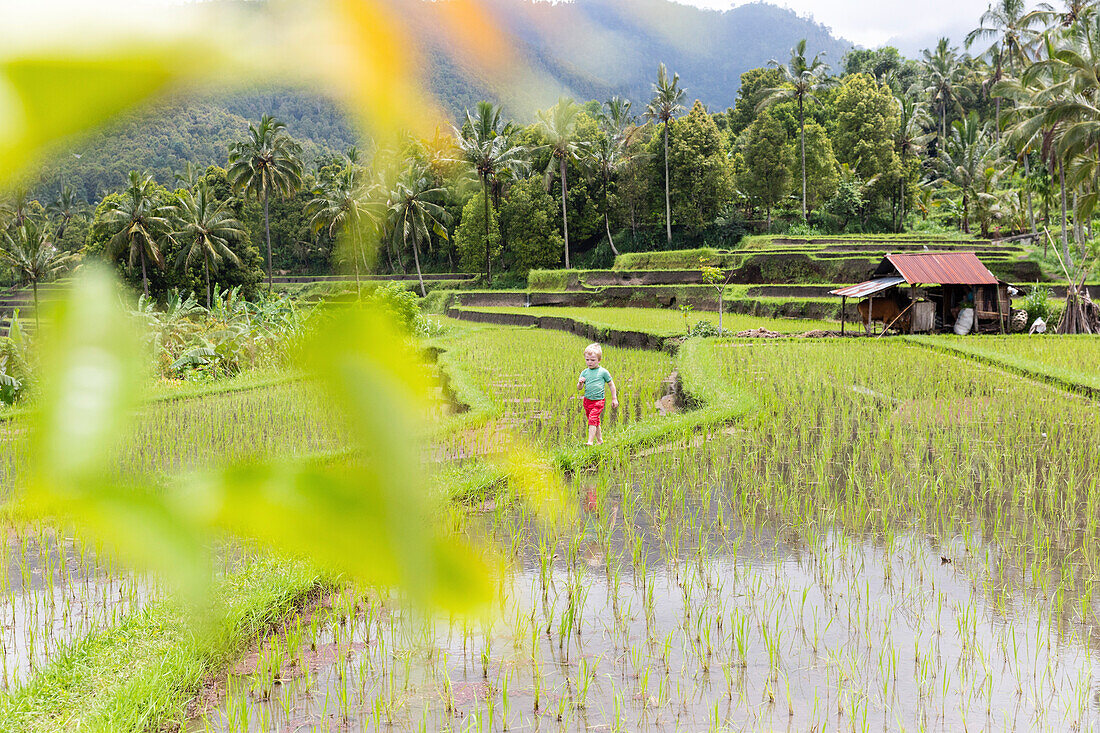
x=367 y=515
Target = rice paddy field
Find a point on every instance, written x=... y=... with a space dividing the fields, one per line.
x=1070 y=359
x=865 y=552
x=893 y=537
x=665 y=322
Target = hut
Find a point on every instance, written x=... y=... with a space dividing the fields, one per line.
x=926 y=291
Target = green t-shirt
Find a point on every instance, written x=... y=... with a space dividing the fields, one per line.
x=594 y=381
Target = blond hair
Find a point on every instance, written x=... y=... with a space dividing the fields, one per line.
x=594 y=349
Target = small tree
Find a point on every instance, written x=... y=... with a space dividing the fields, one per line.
x=713 y=276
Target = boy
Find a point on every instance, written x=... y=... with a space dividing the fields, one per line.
x=593 y=379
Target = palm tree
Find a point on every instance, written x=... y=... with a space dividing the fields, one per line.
x=139 y=224
x=1046 y=106
x=29 y=251
x=945 y=74
x=489 y=150
x=206 y=227
x=666 y=103
x=415 y=215
x=189 y=176
x=1010 y=28
x=265 y=164
x=559 y=126
x=610 y=153
x=803 y=82
x=1072 y=14
x=63 y=208
x=347 y=205
x=910 y=138
x=963 y=161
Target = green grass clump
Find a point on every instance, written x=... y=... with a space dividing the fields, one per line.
x=550 y=280
x=680 y=259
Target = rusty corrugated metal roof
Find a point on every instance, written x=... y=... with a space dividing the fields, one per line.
x=868 y=288
x=939 y=268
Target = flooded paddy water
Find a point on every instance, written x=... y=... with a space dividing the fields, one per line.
x=55 y=591
x=895 y=540
x=684 y=617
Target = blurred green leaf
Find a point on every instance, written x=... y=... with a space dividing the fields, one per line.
x=367 y=516
x=92 y=377
x=50 y=96
x=345 y=519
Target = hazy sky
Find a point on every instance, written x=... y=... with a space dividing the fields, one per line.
x=910 y=25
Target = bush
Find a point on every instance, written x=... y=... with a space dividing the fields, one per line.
x=399 y=302
x=1037 y=304
x=703 y=329
x=802 y=229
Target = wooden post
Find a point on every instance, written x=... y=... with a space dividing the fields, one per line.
x=843 y=300
x=871 y=314
x=912 y=300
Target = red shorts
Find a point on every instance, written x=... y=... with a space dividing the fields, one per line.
x=593 y=409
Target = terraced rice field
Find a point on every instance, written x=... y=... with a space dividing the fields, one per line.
x=897 y=539
x=666 y=322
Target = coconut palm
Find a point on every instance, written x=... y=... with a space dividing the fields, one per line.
x=1072 y=14
x=206 y=227
x=910 y=139
x=414 y=213
x=1045 y=106
x=189 y=176
x=610 y=153
x=666 y=103
x=63 y=209
x=1012 y=31
x=945 y=76
x=29 y=251
x=964 y=159
x=559 y=126
x=487 y=147
x=346 y=205
x=802 y=82
x=139 y=222
x=266 y=164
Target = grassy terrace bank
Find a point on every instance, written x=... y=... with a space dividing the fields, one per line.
x=141 y=673
x=657 y=322
x=1069 y=362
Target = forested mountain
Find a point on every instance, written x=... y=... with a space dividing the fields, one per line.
x=590 y=49
x=594 y=48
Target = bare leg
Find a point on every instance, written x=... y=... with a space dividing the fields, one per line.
x=592 y=431
x=599 y=434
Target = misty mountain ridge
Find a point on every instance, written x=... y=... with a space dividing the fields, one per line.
x=588 y=49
